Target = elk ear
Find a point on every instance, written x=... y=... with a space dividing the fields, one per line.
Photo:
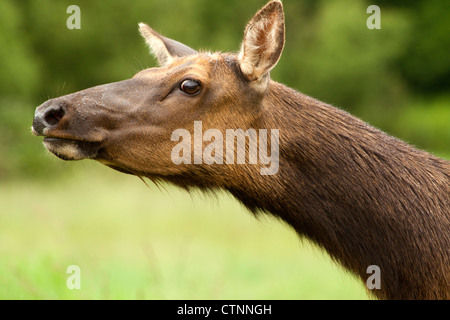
x=263 y=43
x=164 y=49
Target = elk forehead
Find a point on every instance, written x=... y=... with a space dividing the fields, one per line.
x=198 y=66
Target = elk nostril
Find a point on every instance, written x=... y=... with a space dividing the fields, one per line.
x=53 y=115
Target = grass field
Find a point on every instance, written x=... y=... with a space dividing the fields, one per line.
x=131 y=241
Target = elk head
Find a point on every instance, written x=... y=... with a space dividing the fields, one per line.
x=127 y=125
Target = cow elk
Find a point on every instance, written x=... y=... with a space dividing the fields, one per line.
x=365 y=197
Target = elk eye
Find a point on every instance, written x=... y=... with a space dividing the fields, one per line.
x=191 y=87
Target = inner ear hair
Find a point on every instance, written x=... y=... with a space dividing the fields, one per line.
x=263 y=42
x=156 y=44
x=164 y=49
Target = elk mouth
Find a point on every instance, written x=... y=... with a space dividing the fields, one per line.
x=68 y=149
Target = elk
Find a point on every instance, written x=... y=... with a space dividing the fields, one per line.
x=363 y=196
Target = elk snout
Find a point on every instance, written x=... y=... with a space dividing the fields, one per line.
x=47 y=116
x=51 y=120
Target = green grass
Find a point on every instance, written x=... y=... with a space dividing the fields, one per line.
x=135 y=242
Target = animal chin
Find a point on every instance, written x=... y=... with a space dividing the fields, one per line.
x=67 y=149
x=118 y=167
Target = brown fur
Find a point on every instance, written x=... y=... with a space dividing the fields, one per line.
x=365 y=197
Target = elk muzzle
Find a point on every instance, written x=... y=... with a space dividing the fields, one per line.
x=50 y=121
x=83 y=124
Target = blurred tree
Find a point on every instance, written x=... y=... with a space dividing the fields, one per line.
x=424 y=62
x=337 y=59
x=428 y=69
x=19 y=71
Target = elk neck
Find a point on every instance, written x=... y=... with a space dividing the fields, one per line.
x=363 y=196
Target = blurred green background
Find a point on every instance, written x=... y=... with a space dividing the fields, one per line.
x=134 y=241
